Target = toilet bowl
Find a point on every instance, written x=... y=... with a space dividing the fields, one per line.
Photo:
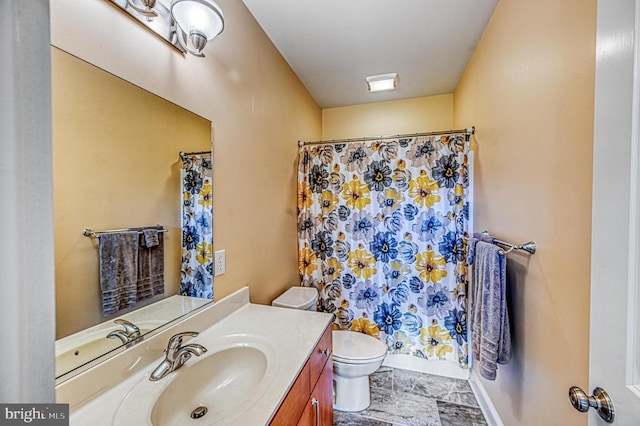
x=355 y=355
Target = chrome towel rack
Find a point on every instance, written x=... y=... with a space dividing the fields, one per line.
x=529 y=247
x=87 y=232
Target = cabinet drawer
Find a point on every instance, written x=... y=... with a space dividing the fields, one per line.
x=321 y=353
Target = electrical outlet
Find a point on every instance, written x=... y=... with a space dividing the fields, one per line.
x=219 y=262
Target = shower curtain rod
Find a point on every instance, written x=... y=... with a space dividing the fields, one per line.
x=197 y=153
x=468 y=131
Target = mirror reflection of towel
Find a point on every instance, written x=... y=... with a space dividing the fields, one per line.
x=118 y=255
x=150 y=266
x=150 y=237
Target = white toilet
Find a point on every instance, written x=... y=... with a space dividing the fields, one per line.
x=355 y=355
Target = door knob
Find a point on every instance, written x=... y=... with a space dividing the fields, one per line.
x=600 y=401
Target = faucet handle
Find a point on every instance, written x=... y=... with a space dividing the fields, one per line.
x=175 y=341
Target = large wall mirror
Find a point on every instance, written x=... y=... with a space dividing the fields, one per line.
x=117 y=165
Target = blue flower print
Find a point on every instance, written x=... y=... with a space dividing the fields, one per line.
x=361 y=226
x=388 y=318
x=193 y=181
x=342 y=250
x=318 y=179
x=343 y=213
x=452 y=248
x=412 y=323
x=446 y=171
x=393 y=223
x=204 y=223
x=190 y=238
x=410 y=211
x=348 y=281
x=416 y=285
x=435 y=302
x=378 y=175
x=384 y=247
x=407 y=251
x=322 y=245
x=206 y=163
x=456 y=324
x=399 y=294
x=430 y=226
x=366 y=296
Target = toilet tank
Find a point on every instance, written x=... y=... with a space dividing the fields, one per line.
x=304 y=298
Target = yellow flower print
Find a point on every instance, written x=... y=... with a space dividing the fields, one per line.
x=356 y=194
x=306 y=261
x=436 y=340
x=424 y=191
x=305 y=196
x=204 y=252
x=363 y=325
x=332 y=269
x=431 y=266
x=206 y=196
x=362 y=263
x=328 y=202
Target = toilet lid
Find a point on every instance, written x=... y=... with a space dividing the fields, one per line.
x=354 y=346
x=297 y=298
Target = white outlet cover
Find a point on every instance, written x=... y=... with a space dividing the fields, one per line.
x=219 y=262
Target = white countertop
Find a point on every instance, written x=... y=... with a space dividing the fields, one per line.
x=290 y=334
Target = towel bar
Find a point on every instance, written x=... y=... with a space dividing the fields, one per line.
x=87 y=232
x=529 y=247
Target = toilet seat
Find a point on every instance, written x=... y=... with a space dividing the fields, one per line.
x=351 y=347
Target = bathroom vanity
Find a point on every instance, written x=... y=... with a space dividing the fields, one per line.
x=310 y=399
x=263 y=365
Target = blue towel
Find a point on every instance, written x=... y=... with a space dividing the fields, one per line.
x=490 y=331
x=118 y=253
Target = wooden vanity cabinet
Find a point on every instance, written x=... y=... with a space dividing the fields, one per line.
x=310 y=399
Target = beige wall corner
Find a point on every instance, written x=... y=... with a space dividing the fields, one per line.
x=529 y=90
x=425 y=114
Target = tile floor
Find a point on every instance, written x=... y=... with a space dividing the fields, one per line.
x=406 y=398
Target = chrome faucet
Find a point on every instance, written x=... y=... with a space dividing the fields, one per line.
x=126 y=336
x=177 y=355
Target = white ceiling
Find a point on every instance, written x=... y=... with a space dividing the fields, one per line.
x=332 y=45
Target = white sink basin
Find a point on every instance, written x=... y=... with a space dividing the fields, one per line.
x=221 y=382
x=227 y=380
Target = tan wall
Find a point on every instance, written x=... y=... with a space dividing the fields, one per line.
x=529 y=90
x=116 y=165
x=429 y=113
x=259 y=110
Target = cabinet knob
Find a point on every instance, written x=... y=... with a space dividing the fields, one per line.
x=325 y=352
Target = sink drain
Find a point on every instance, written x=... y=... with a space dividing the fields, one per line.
x=199 y=412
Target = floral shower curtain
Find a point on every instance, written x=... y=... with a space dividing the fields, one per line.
x=381 y=229
x=197 y=226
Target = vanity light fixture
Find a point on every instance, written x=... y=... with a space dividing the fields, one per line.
x=377 y=83
x=199 y=20
x=187 y=24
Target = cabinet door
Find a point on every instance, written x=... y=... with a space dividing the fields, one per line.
x=294 y=403
x=319 y=409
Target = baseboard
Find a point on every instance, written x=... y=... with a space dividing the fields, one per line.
x=488 y=409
